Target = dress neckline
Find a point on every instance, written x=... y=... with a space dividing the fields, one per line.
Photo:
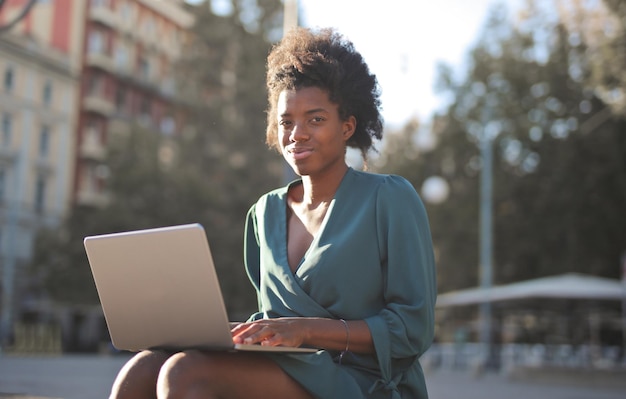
x=320 y=231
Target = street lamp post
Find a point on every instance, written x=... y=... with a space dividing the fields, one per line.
x=290 y=15
x=490 y=131
x=290 y=21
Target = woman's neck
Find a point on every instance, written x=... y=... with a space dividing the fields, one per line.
x=321 y=189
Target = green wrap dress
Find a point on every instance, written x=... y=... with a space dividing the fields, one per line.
x=371 y=260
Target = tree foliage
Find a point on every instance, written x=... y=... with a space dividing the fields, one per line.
x=560 y=158
x=601 y=28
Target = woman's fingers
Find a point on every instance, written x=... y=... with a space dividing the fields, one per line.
x=272 y=332
x=250 y=333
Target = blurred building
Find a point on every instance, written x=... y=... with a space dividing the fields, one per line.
x=37 y=139
x=73 y=72
x=129 y=51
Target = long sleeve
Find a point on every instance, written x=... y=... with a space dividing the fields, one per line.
x=405 y=327
x=252 y=256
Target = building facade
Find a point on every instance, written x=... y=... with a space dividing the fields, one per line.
x=73 y=72
x=130 y=49
x=37 y=133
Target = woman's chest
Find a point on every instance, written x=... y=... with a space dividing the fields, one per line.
x=302 y=228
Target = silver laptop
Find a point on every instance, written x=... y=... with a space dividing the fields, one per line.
x=159 y=289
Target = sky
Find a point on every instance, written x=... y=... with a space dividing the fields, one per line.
x=402 y=41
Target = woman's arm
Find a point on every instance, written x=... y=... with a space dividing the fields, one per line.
x=405 y=327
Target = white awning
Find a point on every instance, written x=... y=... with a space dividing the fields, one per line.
x=566 y=286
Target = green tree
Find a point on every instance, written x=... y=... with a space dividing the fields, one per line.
x=223 y=73
x=601 y=28
x=559 y=178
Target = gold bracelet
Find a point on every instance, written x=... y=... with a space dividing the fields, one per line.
x=345 y=324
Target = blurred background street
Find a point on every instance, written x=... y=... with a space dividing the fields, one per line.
x=90 y=377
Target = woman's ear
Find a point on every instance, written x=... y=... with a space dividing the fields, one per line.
x=349 y=126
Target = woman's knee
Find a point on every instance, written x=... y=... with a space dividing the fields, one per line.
x=139 y=374
x=187 y=372
x=147 y=362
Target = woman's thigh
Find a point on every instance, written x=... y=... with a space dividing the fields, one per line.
x=199 y=374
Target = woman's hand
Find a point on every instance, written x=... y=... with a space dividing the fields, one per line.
x=285 y=331
x=331 y=334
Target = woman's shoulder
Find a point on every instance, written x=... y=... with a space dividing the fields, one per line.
x=276 y=196
x=390 y=192
x=381 y=181
x=278 y=193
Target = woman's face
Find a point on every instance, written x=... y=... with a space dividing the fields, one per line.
x=311 y=135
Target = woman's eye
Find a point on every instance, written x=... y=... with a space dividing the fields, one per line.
x=317 y=119
x=285 y=123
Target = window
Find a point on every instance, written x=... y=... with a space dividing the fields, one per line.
x=120 y=100
x=144 y=67
x=46 y=96
x=121 y=56
x=149 y=27
x=92 y=134
x=3 y=181
x=168 y=126
x=9 y=79
x=95 y=86
x=40 y=194
x=44 y=141
x=96 y=42
x=125 y=12
x=145 y=106
x=99 y=3
x=168 y=85
x=7 y=126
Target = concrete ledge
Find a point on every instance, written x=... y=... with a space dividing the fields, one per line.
x=587 y=377
x=19 y=396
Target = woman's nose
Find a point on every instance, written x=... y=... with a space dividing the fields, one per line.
x=298 y=133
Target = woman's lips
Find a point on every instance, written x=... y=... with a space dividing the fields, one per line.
x=299 y=153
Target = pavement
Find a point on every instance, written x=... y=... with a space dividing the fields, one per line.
x=58 y=377
x=90 y=377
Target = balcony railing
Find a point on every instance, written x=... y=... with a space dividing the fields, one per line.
x=7 y=155
x=91 y=149
x=100 y=60
x=104 y=15
x=92 y=198
x=98 y=105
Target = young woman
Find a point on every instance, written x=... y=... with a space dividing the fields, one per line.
x=341 y=259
